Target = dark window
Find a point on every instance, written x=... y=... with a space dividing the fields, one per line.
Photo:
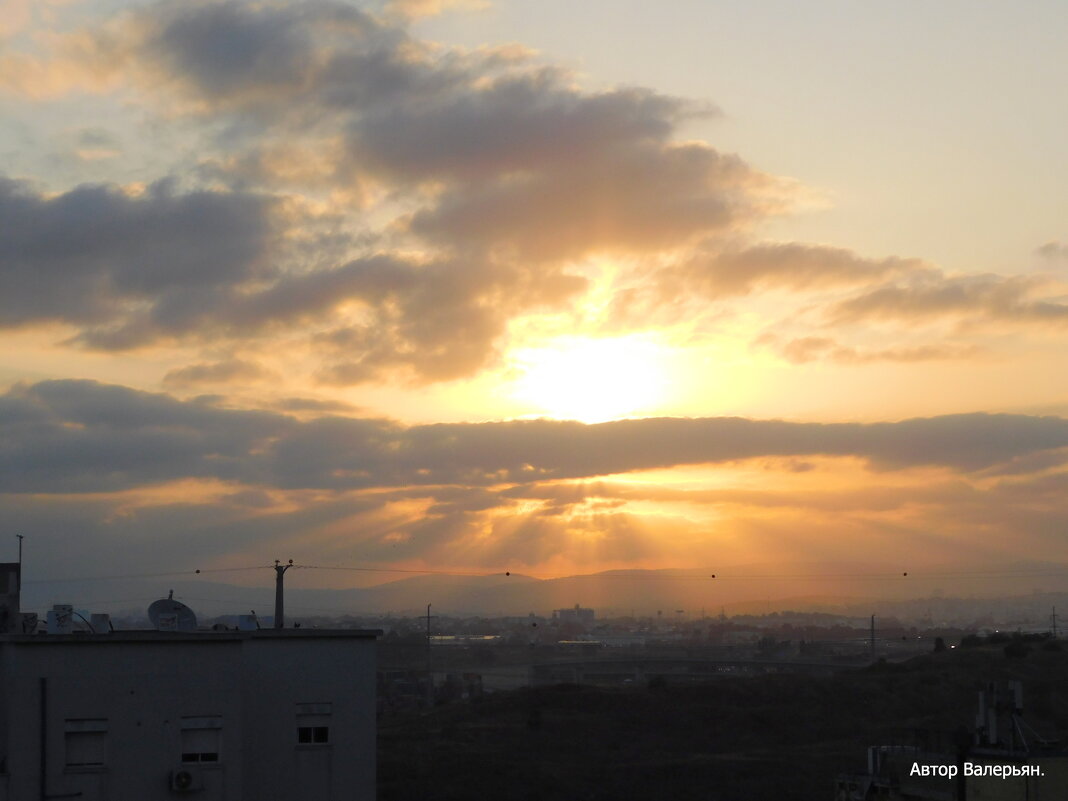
x=86 y=743
x=199 y=742
x=200 y=756
x=86 y=749
x=313 y=735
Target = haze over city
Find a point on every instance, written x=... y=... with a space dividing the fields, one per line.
x=547 y=289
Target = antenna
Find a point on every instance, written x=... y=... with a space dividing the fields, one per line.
x=279 y=604
x=167 y=614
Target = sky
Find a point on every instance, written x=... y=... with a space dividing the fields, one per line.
x=550 y=288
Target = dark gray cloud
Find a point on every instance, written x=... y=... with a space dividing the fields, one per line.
x=496 y=168
x=243 y=55
x=525 y=122
x=80 y=436
x=297 y=404
x=276 y=63
x=210 y=266
x=83 y=255
x=512 y=147
x=640 y=198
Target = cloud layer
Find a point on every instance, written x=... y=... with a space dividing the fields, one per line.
x=304 y=207
x=398 y=208
x=79 y=436
x=150 y=473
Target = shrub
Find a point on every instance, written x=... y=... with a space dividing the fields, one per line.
x=1017 y=649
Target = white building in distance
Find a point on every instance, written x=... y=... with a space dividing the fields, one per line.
x=267 y=715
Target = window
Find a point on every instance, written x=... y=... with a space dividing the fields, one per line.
x=313 y=735
x=313 y=724
x=201 y=738
x=86 y=742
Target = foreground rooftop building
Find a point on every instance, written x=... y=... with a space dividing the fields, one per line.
x=238 y=715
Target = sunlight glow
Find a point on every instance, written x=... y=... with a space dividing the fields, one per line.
x=591 y=380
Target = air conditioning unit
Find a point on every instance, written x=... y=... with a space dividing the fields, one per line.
x=187 y=779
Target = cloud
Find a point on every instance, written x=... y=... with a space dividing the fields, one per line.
x=96 y=144
x=802 y=350
x=1054 y=251
x=565 y=496
x=415 y=9
x=217 y=373
x=492 y=147
x=130 y=271
x=640 y=199
x=793 y=266
x=723 y=270
x=439 y=320
x=87 y=255
x=556 y=526
x=974 y=299
x=462 y=184
x=314 y=405
x=80 y=436
x=395 y=206
x=276 y=61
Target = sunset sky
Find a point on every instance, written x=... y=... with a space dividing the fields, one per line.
x=546 y=287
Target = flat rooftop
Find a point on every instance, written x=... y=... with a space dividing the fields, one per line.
x=151 y=635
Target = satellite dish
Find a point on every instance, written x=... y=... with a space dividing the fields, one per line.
x=168 y=614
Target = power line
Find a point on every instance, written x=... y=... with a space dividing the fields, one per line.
x=398 y=570
x=728 y=576
x=88 y=604
x=146 y=575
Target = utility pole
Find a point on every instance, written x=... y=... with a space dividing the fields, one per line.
x=429 y=675
x=279 y=604
x=1053 y=622
x=20 y=552
x=873 y=638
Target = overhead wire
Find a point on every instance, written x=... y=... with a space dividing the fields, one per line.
x=612 y=576
x=170 y=574
x=400 y=570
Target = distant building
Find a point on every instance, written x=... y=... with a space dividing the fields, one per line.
x=10 y=620
x=617 y=640
x=584 y=617
x=276 y=714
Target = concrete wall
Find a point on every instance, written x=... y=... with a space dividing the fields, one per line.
x=329 y=671
x=144 y=687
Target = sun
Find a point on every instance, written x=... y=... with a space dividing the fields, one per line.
x=591 y=380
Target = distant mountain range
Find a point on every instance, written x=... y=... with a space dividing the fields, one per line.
x=743 y=589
